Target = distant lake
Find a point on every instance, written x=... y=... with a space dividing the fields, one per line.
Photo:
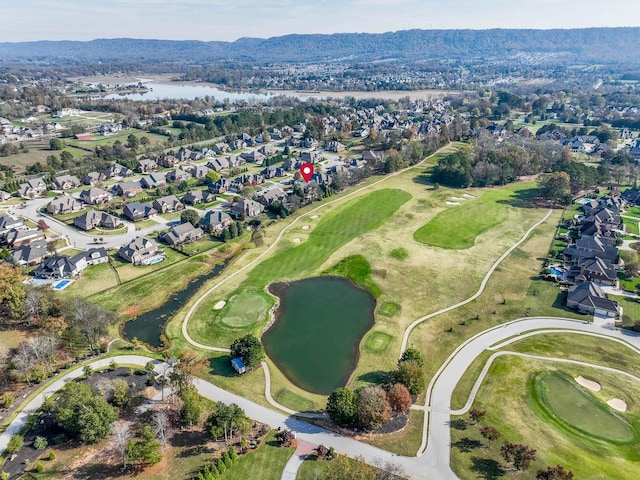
x=316 y=337
x=160 y=91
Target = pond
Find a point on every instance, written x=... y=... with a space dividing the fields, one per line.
x=316 y=336
x=160 y=91
x=149 y=326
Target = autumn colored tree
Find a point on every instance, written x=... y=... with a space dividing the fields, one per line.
x=373 y=407
x=11 y=292
x=477 y=414
x=411 y=376
x=399 y=398
x=554 y=473
x=489 y=432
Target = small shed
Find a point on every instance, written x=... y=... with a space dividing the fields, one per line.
x=238 y=365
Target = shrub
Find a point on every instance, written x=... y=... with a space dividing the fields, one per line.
x=52 y=456
x=40 y=443
x=411 y=376
x=39 y=467
x=15 y=444
x=399 y=398
x=5 y=476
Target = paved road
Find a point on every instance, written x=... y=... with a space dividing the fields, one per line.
x=432 y=462
x=76 y=238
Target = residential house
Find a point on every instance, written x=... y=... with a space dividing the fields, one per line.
x=139 y=251
x=10 y=223
x=592 y=247
x=168 y=204
x=93 y=219
x=253 y=156
x=197 y=197
x=221 y=148
x=168 y=161
x=221 y=186
x=66 y=182
x=631 y=196
x=30 y=254
x=182 y=233
x=598 y=270
x=135 y=211
x=64 y=204
x=335 y=146
x=33 y=188
x=155 y=180
x=128 y=189
x=588 y=297
x=62 y=266
x=247 y=208
x=96 y=256
x=268 y=150
x=267 y=197
x=310 y=157
x=199 y=171
x=95 y=196
x=178 y=176
x=218 y=164
x=93 y=178
x=273 y=171
x=146 y=165
x=215 y=221
x=237 y=144
x=18 y=237
x=371 y=156
x=117 y=170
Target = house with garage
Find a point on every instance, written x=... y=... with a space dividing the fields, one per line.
x=93 y=178
x=214 y=221
x=168 y=204
x=128 y=189
x=247 y=208
x=141 y=251
x=30 y=254
x=178 y=175
x=32 y=188
x=64 y=204
x=18 y=237
x=181 y=234
x=197 y=197
x=117 y=170
x=62 y=266
x=155 y=180
x=146 y=165
x=95 y=196
x=95 y=219
x=136 y=211
x=267 y=197
x=66 y=182
x=588 y=297
x=8 y=222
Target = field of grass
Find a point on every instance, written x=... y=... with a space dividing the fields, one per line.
x=458 y=227
x=405 y=442
x=265 y=463
x=357 y=269
x=93 y=280
x=630 y=307
x=509 y=399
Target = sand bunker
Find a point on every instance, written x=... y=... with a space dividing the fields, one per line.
x=305 y=227
x=590 y=384
x=618 y=404
x=468 y=195
x=220 y=305
x=456 y=198
x=315 y=216
x=296 y=240
x=452 y=203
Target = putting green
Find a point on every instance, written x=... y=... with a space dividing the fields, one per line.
x=377 y=342
x=389 y=309
x=568 y=404
x=244 y=309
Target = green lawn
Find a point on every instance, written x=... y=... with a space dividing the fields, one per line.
x=457 y=228
x=266 y=463
x=342 y=225
x=509 y=398
x=245 y=309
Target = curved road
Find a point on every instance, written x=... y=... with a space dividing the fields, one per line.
x=432 y=463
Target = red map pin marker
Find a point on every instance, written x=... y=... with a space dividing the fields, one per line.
x=306 y=170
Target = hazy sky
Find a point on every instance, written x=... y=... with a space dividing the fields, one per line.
x=23 y=20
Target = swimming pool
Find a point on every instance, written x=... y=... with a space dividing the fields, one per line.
x=62 y=284
x=557 y=271
x=153 y=260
